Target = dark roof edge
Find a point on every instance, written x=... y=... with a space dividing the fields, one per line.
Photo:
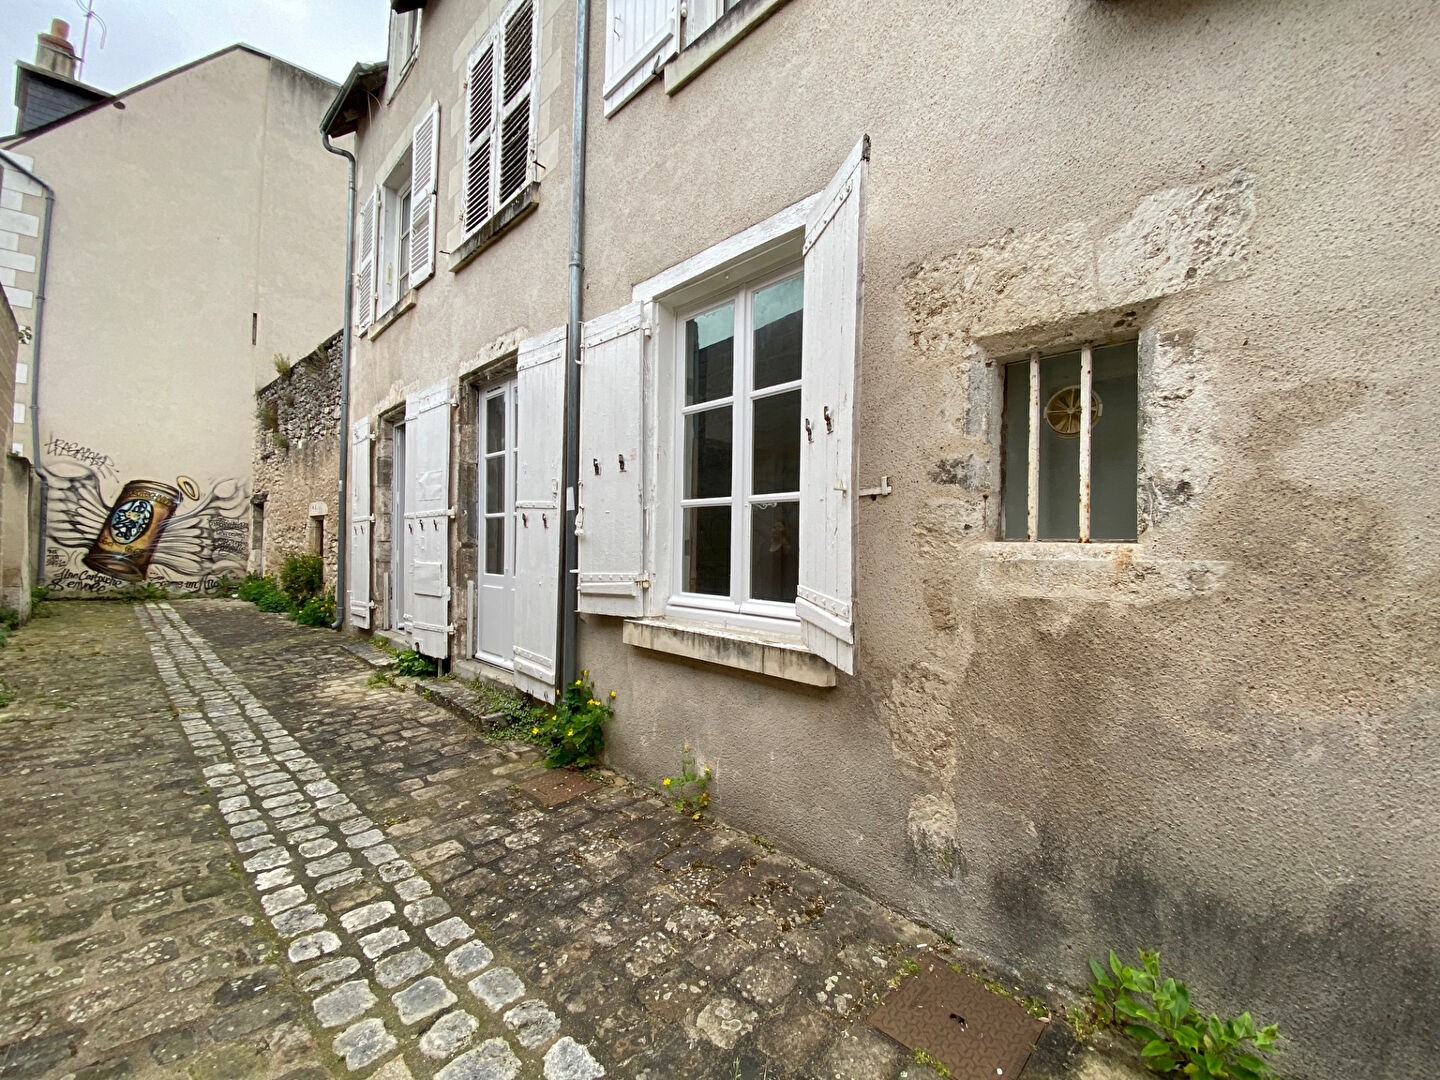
x=63 y=80
x=240 y=46
x=342 y=118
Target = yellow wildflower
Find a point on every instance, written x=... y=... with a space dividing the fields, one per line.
x=585 y=672
x=667 y=781
x=534 y=731
x=592 y=701
x=612 y=695
x=570 y=732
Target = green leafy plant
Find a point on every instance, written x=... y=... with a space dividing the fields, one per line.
x=689 y=793
x=268 y=414
x=575 y=733
x=317 y=611
x=414 y=664
x=263 y=593
x=1174 y=1036
x=380 y=677
x=282 y=364
x=302 y=578
x=929 y=1061
x=38 y=594
x=143 y=591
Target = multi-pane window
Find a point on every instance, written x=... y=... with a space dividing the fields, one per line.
x=499 y=119
x=1070 y=470
x=498 y=449
x=402 y=257
x=740 y=449
x=394 y=240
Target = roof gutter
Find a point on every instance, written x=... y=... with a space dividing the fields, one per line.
x=570 y=562
x=342 y=534
x=35 y=344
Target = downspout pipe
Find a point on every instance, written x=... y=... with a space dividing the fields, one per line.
x=570 y=568
x=35 y=343
x=342 y=534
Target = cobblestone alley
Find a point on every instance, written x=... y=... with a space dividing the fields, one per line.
x=225 y=855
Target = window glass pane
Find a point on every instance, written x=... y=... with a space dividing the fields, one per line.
x=777 y=444
x=495 y=545
x=709 y=441
x=1016 y=479
x=774 y=551
x=495 y=423
x=1114 y=444
x=706 y=561
x=710 y=355
x=495 y=484
x=1059 y=447
x=777 y=331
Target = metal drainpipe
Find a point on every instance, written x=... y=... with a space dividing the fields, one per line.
x=569 y=579
x=342 y=534
x=39 y=334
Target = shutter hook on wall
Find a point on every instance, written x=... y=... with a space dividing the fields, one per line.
x=596 y=463
x=622 y=462
x=809 y=432
x=829 y=421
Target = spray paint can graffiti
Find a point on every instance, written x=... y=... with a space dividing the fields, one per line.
x=137 y=519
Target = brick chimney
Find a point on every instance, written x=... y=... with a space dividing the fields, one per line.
x=54 y=52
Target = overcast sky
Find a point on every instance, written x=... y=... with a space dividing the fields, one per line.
x=147 y=37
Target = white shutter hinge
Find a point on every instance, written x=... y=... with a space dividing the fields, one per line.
x=644 y=581
x=874 y=493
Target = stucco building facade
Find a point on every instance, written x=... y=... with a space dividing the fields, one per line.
x=983 y=463
x=194 y=227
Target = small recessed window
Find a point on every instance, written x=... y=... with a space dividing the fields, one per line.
x=1053 y=443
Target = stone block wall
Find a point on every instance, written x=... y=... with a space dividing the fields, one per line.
x=296 y=458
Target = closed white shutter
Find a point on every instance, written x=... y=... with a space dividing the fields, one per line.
x=834 y=245
x=358 y=566
x=540 y=414
x=478 y=196
x=365 y=263
x=640 y=37
x=612 y=489
x=424 y=168
x=427 y=520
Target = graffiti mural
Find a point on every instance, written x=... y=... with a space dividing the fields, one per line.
x=102 y=534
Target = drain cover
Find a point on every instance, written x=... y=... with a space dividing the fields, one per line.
x=556 y=786
x=974 y=1033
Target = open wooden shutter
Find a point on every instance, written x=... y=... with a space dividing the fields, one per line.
x=365 y=263
x=540 y=417
x=478 y=196
x=358 y=564
x=834 y=245
x=612 y=490
x=427 y=520
x=424 y=166
x=640 y=37
x=516 y=85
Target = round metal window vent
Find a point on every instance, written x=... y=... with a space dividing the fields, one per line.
x=1062 y=412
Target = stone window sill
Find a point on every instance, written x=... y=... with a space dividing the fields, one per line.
x=777 y=657
x=716 y=41
x=386 y=320
x=1124 y=573
x=492 y=230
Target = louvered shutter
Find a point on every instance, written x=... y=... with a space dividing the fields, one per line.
x=611 y=492
x=479 y=136
x=516 y=86
x=834 y=244
x=427 y=520
x=424 y=168
x=365 y=264
x=358 y=564
x=540 y=413
x=640 y=38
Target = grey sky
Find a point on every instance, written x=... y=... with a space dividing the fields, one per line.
x=147 y=37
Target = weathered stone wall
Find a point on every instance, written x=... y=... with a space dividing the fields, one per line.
x=17 y=526
x=297 y=455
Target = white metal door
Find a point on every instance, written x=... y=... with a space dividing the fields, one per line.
x=399 y=558
x=427 y=520
x=495 y=630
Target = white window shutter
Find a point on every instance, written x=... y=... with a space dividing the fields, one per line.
x=834 y=246
x=358 y=566
x=515 y=84
x=639 y=38
x=478 y=195
x=540 y=416
x=611 y=494
x=365 y=263
x=424 y=170
x=427 y=520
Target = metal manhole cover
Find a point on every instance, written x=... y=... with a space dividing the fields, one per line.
x=974 y=1033
x=556 y=786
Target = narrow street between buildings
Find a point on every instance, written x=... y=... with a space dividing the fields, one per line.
x=226 y=855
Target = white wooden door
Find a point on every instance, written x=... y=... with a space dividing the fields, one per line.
x=427 y=520
x=399 y=559
x=495 y=611
x=360 y=522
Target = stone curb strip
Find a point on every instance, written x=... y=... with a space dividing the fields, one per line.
x=378 y=973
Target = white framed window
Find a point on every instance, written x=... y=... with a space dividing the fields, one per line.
x=1070 y=445
x=395 y=212
x=395 y=250
x=501 y=110
x=737 y=448
x=404 y=43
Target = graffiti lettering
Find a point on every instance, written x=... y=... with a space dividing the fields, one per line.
x=101 y=463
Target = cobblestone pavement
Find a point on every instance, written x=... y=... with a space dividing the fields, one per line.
x=226 y=855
